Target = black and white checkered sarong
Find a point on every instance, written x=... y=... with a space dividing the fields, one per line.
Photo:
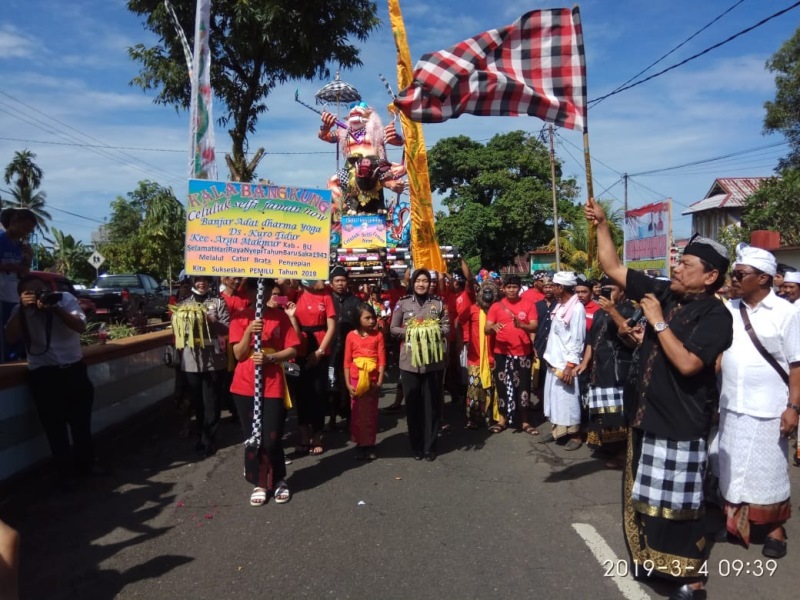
x=601 y=399
x=670 y=474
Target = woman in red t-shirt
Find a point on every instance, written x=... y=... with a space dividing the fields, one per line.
x=364 y=352
x=511 y=321
x=317 y=317
x=279 y=344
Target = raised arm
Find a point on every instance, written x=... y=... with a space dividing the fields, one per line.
x=606 y=252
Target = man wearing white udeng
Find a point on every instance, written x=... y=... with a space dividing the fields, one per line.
x=564 y=352
x=759 y=403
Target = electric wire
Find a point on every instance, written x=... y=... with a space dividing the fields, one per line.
x=683 y=43
x=695 y=56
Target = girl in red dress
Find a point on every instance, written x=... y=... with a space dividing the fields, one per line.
x=365 y=360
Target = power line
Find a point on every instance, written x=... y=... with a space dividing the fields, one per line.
x=48 y=207
x=101 y=150
x=133 y=148
x=583 y=166
x=10 y=139
x=595 y=159
x=707 y=160
x=698 y=55
x=683 y=43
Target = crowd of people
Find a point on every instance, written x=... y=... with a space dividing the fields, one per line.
x=689 y=384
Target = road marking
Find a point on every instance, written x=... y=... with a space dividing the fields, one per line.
x=630 y=589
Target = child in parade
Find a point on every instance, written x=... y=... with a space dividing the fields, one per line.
x=365 y=361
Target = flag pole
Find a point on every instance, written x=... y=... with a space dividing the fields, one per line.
x=555 y=202
x=589 y=194
x=591 y=242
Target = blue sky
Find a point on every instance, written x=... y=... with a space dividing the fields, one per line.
x=65 y=74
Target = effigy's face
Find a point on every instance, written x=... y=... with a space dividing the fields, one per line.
x=359 y=115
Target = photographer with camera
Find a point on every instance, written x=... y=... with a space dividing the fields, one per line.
x=50 y=325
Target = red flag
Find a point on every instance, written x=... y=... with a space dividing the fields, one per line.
x=535 y=66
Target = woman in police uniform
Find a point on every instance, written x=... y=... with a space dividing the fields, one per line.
x=422 y=384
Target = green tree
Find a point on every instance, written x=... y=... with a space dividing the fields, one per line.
x=25 y=177
x=23 y=172
x=783 y=113
x=498 y=196
x=255 y=45
x=70 y=256
x=775 y=205
x=146 y=232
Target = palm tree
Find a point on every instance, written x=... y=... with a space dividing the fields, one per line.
x=25 y=173
x=24 y=198
x=26 y=177
x=573 y=241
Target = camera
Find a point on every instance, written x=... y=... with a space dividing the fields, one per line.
x=49 y=298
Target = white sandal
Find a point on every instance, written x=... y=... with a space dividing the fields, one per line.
x=258 y=497
x=282 y=493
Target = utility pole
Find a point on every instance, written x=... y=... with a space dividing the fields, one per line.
x=625 y=221
x=555 y=202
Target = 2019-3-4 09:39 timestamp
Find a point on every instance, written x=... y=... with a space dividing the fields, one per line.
x=720 y=568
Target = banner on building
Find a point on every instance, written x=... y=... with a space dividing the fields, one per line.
x=648 y=235
x=254 y=230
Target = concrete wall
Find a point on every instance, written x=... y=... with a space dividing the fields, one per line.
x=129 y=375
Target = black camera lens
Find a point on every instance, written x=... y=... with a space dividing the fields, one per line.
x=52 y=298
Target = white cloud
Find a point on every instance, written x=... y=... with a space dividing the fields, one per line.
x=14 y=44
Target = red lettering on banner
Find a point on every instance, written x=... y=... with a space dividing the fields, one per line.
x=652 y=247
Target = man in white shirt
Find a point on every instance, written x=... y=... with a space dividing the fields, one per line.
x=50 y=324
x=759 y=402
x=564 y=352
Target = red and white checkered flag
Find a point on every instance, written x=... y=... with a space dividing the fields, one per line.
x=535 y=66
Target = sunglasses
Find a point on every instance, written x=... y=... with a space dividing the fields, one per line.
x=739 y=275
x=358 y=105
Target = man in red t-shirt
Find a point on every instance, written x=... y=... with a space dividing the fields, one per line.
x=584 y=292
x=536 y=293
x=511 y=321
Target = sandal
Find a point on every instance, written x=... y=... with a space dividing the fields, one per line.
x=497 y=428
x=530 y=430
x=258 y=497
x=315 y=449
x=282 y=493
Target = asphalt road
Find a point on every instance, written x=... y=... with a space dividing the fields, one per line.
x=495 y=516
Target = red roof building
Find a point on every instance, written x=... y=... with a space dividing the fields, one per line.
x=722 y=205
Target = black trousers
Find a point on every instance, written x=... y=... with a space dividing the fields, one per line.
x=267 y=466
x=205 y=390
x=64 y=398
x=310 y=394
x=423 y=394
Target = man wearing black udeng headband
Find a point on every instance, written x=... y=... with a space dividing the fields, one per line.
x=687 y=329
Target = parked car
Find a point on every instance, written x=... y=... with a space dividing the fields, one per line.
x=60 y=283
x=119 y=296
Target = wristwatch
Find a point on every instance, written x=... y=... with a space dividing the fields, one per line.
x=794 y=407
x=660 y=326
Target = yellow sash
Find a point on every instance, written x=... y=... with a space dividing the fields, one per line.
x=483 y=349
x=366 y=365
x=485 y=368
x=287 y=398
